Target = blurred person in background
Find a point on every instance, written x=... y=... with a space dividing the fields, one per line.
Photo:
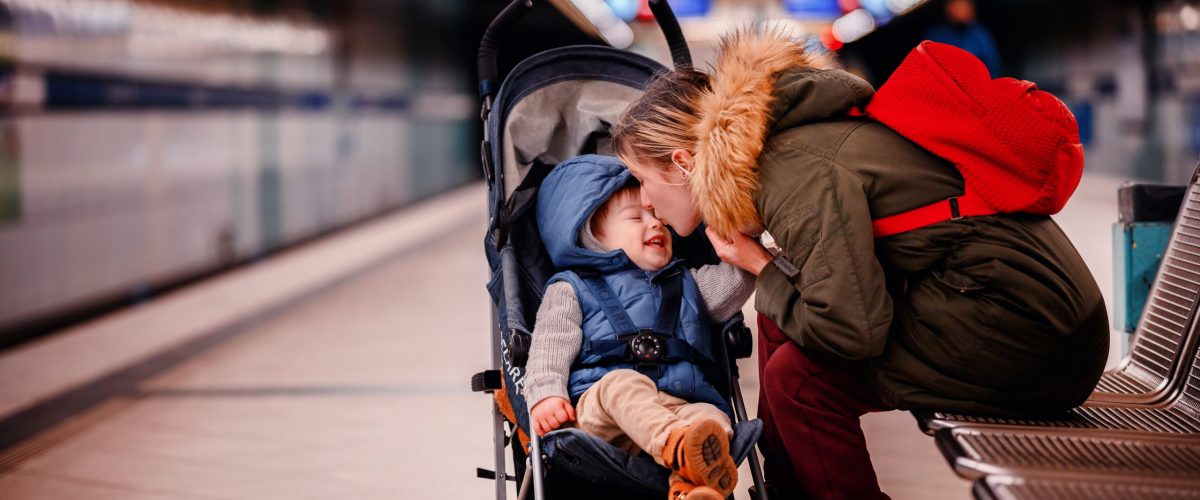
x=963 y=30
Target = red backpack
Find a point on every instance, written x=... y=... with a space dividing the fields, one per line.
x=1017 y=147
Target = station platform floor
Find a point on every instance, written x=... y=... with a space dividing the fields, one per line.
x=338 y=369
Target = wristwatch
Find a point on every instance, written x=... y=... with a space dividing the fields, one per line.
x=778 y=257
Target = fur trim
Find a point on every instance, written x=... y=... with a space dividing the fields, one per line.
x=734 y=116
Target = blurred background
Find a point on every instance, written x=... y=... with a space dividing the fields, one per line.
x=151 y=150
x=148 y=143
x=145 y=144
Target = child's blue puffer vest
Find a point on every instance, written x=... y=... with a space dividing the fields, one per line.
x=568 y=197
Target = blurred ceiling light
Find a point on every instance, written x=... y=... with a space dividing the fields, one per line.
x=1190 y=17
x=854 y=25
x=877 y=8
x=611 y=27
x=830 y=42
x=597 y=18
x=627 y=10
x=163 y=30
x=902 y=6
x=85 y=16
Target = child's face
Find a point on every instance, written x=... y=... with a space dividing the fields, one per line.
x=634 y=229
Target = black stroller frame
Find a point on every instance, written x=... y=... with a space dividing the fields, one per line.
x=590 y=85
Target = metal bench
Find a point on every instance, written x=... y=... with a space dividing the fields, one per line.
x=1140 y=393
x=1066 y=488
x=1088 y=450
x=977 y=452
x=1178 y=415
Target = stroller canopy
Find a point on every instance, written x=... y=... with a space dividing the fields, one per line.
x=560 y=104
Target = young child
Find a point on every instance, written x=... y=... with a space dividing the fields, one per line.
x=625 y=331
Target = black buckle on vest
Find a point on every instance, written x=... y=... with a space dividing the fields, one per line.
x=647 y=350
x=646 y=347
x=954 y=213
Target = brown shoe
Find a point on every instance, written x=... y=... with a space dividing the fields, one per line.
x=700 y=454
x=681 y=489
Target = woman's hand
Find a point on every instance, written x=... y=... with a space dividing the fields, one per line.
x=550 y=413
x=740 y=250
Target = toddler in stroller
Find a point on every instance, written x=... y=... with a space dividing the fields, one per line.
x=551 y=107
x=624 y=330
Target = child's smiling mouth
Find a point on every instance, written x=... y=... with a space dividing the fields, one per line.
x=656 y=242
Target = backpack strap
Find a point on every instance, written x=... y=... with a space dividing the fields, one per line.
x=954 y=208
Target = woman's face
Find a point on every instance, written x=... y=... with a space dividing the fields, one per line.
x=667 y=194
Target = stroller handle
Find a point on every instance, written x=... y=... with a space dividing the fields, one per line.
x=489 y=46
x=680 y=55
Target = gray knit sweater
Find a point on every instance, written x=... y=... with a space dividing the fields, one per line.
x=557 y=334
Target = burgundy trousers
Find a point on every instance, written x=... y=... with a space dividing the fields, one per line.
x=810 y=403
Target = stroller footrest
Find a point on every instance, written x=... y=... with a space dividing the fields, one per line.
x=486 y=381
x=482 y=473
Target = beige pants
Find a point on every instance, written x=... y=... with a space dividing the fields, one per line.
x=626 y=409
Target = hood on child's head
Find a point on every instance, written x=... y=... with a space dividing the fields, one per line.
x=573 y=191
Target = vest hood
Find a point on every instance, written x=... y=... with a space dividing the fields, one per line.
x=569 y=196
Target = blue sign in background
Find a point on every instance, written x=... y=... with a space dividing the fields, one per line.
x=811 y=8
x=687 y=8
x=627 y=10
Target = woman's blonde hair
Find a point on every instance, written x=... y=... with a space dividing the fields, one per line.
x=662 y=120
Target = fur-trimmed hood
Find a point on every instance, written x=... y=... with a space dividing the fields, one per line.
x=761 y=83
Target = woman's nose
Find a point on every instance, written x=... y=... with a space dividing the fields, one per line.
x=645 y=199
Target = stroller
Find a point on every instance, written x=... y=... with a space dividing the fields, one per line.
x=551 y=107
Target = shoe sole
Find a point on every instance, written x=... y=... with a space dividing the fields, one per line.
x=704 y=494
x=707 y=457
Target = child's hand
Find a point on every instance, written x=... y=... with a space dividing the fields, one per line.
x=740 y=250
x=550 y=414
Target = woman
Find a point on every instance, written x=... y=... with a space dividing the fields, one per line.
x=992 y=314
